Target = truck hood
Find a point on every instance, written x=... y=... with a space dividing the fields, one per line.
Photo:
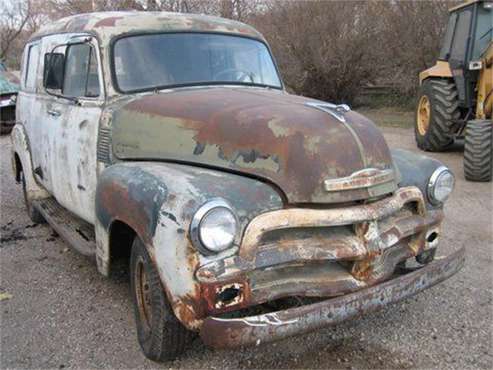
x=309 y=153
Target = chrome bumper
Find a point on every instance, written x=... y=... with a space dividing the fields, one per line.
x=253 y=330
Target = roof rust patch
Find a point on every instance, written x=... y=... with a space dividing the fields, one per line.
x=107 y=22
x=117 y=23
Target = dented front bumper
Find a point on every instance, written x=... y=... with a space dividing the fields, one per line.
x=222 y=333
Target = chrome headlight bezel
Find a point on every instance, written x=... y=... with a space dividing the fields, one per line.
x=198 y=218
x=434 y=180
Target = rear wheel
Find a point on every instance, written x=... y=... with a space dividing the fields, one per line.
x=4 y=129
x=32 y=212
x=437 y=111
x=478 y=150
x=161 y=336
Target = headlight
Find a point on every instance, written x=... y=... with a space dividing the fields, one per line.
x=214 y=227
x=440 y=185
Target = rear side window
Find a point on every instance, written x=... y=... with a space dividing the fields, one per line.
x=31 y=67
x=459 y=46
x=81 y=72
x=484 y=31
x=447 y=41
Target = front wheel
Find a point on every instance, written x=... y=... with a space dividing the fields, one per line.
x=478 y=151
x=161 y=336
x=436 y=113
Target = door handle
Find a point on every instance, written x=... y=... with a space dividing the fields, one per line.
x=53 y=113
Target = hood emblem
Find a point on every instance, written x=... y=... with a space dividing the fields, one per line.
x=364 y=178
x=335 y=110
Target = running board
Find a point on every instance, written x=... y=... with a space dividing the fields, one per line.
x=78 y=233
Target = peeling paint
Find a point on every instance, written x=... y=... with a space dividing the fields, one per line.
x=269 y=134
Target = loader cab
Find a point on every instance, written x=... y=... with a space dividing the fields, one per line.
x=468 y=35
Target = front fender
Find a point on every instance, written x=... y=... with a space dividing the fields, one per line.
x=441 y=69
x=415 y=170
x=158 y=200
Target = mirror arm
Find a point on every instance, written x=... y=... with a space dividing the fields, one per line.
x=71 y=98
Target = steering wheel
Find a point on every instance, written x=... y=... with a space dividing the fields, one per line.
x=242 y=75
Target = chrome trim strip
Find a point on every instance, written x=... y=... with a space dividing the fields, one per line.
x=364 y=178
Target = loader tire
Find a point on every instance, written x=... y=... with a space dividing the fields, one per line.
x=437 y=109
x=478 y=150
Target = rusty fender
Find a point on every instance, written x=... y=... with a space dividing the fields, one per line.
x=253 y=330
x=158 y=201
x=415 y=169
x=20 y=146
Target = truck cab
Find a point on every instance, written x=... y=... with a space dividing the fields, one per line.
x=246 y=214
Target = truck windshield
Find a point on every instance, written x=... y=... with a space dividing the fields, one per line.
x=484 y=33
x=159 y=61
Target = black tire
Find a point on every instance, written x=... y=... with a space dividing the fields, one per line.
x=161 y=336
x=5 y=130
x=444 y=110
x=32 y=212
x=478 y=150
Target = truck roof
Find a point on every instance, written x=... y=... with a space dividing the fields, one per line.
x=106 y=25
x=463 y=5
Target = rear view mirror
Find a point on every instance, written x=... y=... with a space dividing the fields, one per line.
x=54 y=71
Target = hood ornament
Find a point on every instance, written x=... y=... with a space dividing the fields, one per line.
x=361 y=179
x=335 y=110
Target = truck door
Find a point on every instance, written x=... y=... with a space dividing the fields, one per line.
x=77 y=146
x=75 y=115
x=28 y=105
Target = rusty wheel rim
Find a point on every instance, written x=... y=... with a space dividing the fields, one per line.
x=143 y=293
x=423 y=116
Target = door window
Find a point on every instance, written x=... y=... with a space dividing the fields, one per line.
x=484 y=31
x=81 y=72
x=31 y=67
x=447 y=41
x=459 y=46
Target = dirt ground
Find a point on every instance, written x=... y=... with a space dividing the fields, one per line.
x=57 y=312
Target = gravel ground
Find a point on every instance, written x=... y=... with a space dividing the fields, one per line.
x=61 y=313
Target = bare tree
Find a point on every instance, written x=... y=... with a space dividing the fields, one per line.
x=411 y=34
x=13 y=19
x=324 y=48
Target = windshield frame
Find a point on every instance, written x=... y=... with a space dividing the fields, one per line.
x=117 y=88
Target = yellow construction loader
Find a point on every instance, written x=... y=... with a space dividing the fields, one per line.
x=456 y=95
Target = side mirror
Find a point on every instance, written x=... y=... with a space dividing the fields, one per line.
x=54 y=70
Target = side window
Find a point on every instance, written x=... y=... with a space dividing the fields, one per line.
x=81 y=72
x=459 y=46
x=484 y=31
x=447 y=40
x=31 y=67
